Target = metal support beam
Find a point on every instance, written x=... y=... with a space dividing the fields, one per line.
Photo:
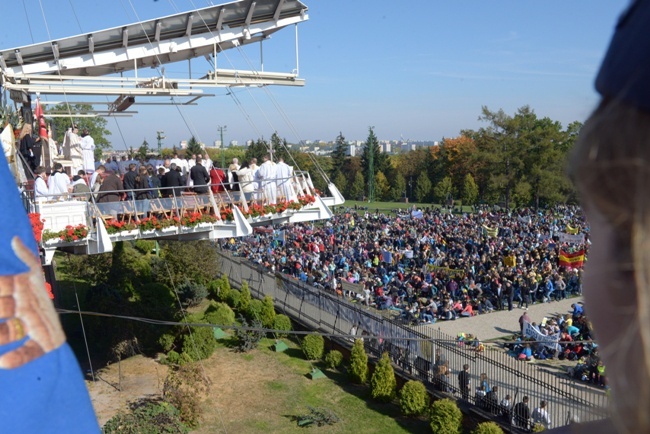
x=217 y=28
x=125 y=37
x=249 y=16
x=278 y=10
x=188 y=28
x=157 y=31
x=91 y=44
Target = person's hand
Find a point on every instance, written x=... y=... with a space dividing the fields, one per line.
x=28 y=311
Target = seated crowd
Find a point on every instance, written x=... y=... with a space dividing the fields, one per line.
x=439 y=267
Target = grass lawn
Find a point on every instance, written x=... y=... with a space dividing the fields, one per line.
x=390 y=206
x=260 y=392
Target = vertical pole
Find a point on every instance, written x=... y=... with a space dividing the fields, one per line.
x=297 y=57
x=261 y=56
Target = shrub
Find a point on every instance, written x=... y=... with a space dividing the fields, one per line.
x=191 y=293
x=224 y=287
x=382 y=383
x=487 y=428
x=282 y=322
x=245 y=299
x=147 y=417
x=538 y=427
x=248 y=339
x=313 y=347
x=413 y=398
x=213 y=289
x=182 y=389
x=173 y=358
x=144 y=246
x=166 y=342
x=219 y=314
x=254 y=311
x=358 y=363
x=234 y=297
x=267 y=316
x=200 y=344
x=333 y=359
x=445 y=417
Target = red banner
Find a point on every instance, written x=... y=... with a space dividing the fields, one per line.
x=572 y=260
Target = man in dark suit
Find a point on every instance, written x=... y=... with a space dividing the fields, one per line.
x=171 y=180
x=129 y=181
x=200 y=177
x=463 y=382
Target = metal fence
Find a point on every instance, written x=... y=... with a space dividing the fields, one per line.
x=413 y=349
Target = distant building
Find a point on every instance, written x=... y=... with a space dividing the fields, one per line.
x=386 y=147
x=183 y=144
x=234 y=143
x=217 y=144
x=352 y=150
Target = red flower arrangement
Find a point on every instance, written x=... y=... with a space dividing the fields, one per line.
x=281 y=207
x=114 y=226
x=192 y=219
x=295 y=205
x=37 y=225
x=227 y=214
x=306 y=199
x=73 y=233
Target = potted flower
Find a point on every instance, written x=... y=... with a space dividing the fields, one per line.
x=37 y=225
x=190 y=220
x=281 y=207
x=227 y=214
x=73 y=233
x=295 y=206
x=148 y=225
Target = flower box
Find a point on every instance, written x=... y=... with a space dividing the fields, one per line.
x=205 y=225
x=131 y=233
x=53 y=241
x=148 y=232
x=169 y=229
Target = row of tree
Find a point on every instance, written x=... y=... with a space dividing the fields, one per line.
x=516 y=160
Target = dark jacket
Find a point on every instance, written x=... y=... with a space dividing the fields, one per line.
x=201 y=178
x=107 y=191
x=129 y=180
x=171 y=179
x=142 y=182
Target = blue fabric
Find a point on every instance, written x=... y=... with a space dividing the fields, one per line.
x=625 y=70
x=48 y=394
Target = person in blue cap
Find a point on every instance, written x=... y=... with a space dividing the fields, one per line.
x=41 y=386
x=610 y=166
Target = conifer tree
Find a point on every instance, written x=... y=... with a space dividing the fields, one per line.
x=358 y=363
x=383 y=384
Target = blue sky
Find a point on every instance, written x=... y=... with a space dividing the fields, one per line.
x=420 y=69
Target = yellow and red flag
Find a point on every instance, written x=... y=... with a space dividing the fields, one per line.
x=572 y=260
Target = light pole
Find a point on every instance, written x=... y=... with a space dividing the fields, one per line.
x=221 y=129
x=160 y=135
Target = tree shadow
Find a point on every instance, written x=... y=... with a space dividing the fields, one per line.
x=506 y=331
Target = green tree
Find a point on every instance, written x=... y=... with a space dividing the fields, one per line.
x=382 y=383
x=487 y=428
x=96 y=126
x=196 y=260
x=443 y=190
x=398 y=189
x=470 y=190
x=445 y=417
x=338 y=157
x=422 y=187
x=357 y=188
x=313 y=347
x=358 y=363
x=267 y=314
x=382 y=188
x=372 y=155
x=245 y=299
x=257 y=149
x=413 y=398
x=143 y=150
x=193 y=147
x=280 y=148
x=340 y=181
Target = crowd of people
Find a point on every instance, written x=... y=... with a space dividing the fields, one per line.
x=435 y=266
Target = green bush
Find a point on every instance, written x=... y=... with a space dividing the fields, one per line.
x=254 y=311
x=282 y=322
x=147 y=417
x=213 y=289
x=313 y=347
x=487 y=428
x=333 y=359
x=358 y=363
x=382 y=383
x=144 y=246
x=219 y=314
x=200 y=344
x=248 y=339
x=538 y=427
x=234 y=297
x=245 y=299
x=191 y=293
x=224 y=288
x=413 y=398
x=267 y=315
x=166 y=342
x=445 y=417
x=173 y=358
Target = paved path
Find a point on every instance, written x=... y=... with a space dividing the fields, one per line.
x=503 y=323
